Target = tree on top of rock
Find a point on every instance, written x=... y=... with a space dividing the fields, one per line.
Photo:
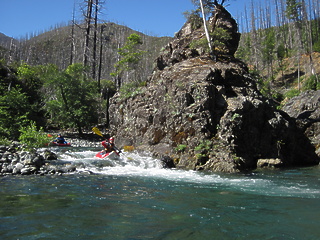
x=216 y=36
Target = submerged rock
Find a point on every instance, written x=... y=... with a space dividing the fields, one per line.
x=206 y=112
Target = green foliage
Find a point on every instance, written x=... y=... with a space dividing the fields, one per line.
x=204 y=145
x=28 y=92
x=108 y=84
x=235 y=116
x=30 y=80
x=293 y=9
x=316 y=46
x=200 y=156
x=200 y=43
x=194 y=19
x=14 y=108
x=72 y=101
x=131 y=89
x=277 y=96
x=27 y=81
x=281 y=52
x=25 y=71
x=268 y=44
x=33 y=137
x=244 y=50
x=129 y=54
x=311 y=83
x=5 y=141
x=292 y=93
x=181 y=148
x=219 y=37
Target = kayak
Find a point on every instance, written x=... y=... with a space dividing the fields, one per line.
x=111 y=155
x=66 y=144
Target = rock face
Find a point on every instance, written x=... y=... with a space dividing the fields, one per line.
x=206 y=114
x=192 y=32
x=305 y=109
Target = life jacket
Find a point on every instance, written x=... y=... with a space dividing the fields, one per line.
x=60 y=140
x=108 y=146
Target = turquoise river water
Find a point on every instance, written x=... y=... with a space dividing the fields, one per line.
x=134 y=198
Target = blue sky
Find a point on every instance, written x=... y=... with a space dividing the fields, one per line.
x=154 y=17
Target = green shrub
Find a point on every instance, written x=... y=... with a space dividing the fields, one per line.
x=181 y=148
x=277 y=96
x=200 y=43
x=316 y=46
x=311 y=83
x=4 y=141
x=200 y=156
x=235 y=116
x=131 y=89
x=204 y=145
x=32 y=137
x=292 y=93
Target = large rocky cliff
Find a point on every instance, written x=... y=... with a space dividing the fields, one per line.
x=206 y=113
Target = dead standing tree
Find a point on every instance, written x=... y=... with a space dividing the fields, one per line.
x=205 y=26
x=88 y=20
x=91 y=28
x=210 y=5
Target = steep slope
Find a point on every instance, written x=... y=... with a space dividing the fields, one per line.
x=5 y=44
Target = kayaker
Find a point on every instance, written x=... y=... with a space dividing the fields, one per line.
x=109 y=145
x=60 y=139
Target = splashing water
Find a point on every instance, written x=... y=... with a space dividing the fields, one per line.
x=133 y=164
x=135 y=198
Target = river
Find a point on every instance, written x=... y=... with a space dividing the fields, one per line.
x=134 y=198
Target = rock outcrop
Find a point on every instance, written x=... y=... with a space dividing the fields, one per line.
x=305 y=109
x=206 y=113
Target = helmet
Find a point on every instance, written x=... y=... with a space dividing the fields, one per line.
x=111 y=139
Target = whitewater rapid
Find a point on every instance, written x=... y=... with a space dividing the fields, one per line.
x=134 y=164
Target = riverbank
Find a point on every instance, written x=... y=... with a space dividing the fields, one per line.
x=14 y=160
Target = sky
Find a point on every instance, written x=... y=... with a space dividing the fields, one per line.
x=19 y=18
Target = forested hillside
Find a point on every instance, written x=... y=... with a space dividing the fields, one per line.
x=281 y=43
x=62 y=79
x=50 y=81
x=63 y=46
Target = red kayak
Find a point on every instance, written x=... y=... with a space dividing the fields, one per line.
x=61 y=144
x=112 y=155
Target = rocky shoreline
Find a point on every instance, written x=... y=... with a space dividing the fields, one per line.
x=16 y=161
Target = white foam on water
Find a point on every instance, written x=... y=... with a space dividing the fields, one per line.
x=132 y=164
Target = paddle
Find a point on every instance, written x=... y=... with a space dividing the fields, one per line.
x=97 y=131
